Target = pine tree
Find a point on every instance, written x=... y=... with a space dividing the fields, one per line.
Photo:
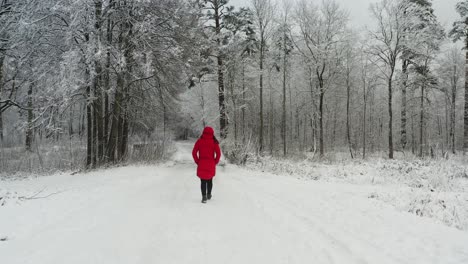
x=217 y=10
x=423 y=35
x=458 y=32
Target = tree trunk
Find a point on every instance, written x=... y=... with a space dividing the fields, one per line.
x=413 y=135
x=390 y=119
x=465 y=115
x=321 y=104
x=304 y=145
x=321 y=147
x=120 y=133
x=403 y=132
x=114 y=128
x=124 y=136
x=99 y=124
x=98 y=92
x=364 y=124
x=452 y=126
x=453 y=110
x=2 y=58
x=163 y=104
x=222 y=105
x=106 y=84
x=291 y=120
x=348 y=94
x=1 y=127
x=261 y=97
x=94 y=127
x=223 y=122
x=298 y=130
x=271 y=127
x=29 y=129
x=89 y=127
x=235 y=122
x=243 y=103
x=283 y=126
x=232 y=75
x=202 y=103
x=421 y=122
x=70 y=122
x=333 y=137
x=82 y=126
x=313 y=116
x=448 y=121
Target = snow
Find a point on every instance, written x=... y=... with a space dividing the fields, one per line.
x=153 y=214
x=429 y=188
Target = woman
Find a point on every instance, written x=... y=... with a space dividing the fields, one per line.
x=206 y=154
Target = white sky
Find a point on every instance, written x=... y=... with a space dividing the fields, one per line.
x=360 y=14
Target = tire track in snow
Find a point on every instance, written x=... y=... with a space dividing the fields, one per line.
x=333 y=249
x=337 y=250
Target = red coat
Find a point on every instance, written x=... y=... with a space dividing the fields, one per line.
x=206 y=154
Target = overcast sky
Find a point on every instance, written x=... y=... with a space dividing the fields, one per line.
x=360 y=14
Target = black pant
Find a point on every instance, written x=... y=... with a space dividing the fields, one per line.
x=206 y=184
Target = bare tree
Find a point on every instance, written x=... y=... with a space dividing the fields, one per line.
x=367 y=80
x=450 y=74
x=322 y=31
x=263 y=15
x=387 y=47
x=349 y=66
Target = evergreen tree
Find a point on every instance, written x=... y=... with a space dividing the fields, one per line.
x=460 y=32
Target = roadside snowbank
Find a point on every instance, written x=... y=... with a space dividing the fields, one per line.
x=429 y=188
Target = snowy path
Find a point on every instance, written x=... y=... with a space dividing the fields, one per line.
x=154 y=215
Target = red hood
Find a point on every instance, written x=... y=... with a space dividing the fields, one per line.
x=208 y=132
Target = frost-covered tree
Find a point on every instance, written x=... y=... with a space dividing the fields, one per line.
x=420 y=26
x=97 y=64
x=263 y=16
x=240 y=45
x=460 y=32
x=322 y=34
x=217 y=10
x=422 y=38
x=285 y=46
x=387 y=46
x=450 y=74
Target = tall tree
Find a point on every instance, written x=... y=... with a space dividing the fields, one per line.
x=263 y=15
x=323 y=32
x=218 y=9
x=387 y=46
x=450 y=74
x=421 y=32
x=4 y=18
x=406 y=57
x=349 y=66
x=460 y=31
x=368 y=80
x=285 y=46
x=99 y=135
x=240 y=39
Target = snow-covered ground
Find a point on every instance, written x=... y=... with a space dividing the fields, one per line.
x=431 y=188
x=153 y=214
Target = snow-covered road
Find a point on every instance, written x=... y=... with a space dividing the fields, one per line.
x=153 y=214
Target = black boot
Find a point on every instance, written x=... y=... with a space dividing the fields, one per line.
x=203 y=199
x=208 y=196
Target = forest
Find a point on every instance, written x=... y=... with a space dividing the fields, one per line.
x=92 y=83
